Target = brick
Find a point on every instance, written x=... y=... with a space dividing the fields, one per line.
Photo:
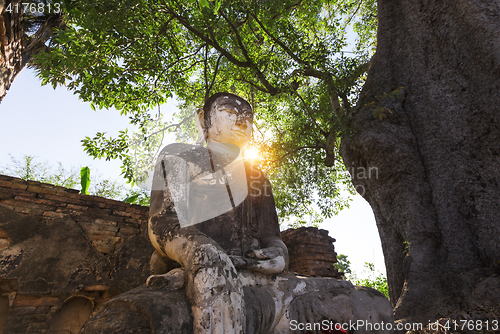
x=95 y=228
x=130 y=210
x=5 y=184
x=84 y=220
x=128 y=230
x=122 y=213
x=134 y=225
x=97 y=287
x=6 y=206
x=48 y=191
x=99 y=235
x=134 y=222
x=44 y=309
x=32 y=210
x=76 y=195
x=34 y=189
x=7 y=178
x=99 y=199
x=19 y=186
x=137 y=216
x=105 y=222
x=16 y=325
x=86 y=198
x=24 y=310
x=52 y=214
x=26 y=197
x=48 y=202
x=76 y=207
x=35 y=301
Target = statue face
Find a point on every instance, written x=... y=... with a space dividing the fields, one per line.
x=231 y=121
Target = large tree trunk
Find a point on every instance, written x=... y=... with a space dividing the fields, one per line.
x=436 y=196
x=16 y=49
x=11 y=43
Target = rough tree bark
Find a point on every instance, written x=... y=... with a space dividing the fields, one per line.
x=17 y=49
x=11 y=44
x=437 y=197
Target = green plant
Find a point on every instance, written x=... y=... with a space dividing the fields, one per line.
x=378 y=282
x=138 y=196
x=85 y=180
x=343 y=264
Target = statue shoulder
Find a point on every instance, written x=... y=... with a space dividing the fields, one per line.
x=186 y=152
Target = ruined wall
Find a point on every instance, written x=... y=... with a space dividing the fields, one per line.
x=107 y=223
x=311 y=252
x=63 y=253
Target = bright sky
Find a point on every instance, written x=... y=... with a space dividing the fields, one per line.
x=49 y=124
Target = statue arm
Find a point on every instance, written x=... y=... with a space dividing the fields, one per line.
x=169 y=229
x=212 y=284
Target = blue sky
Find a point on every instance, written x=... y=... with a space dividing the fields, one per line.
x=49 y=124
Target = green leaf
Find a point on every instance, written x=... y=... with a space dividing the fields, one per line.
x=132 y=199
x=218 y=3
x=85 y=180
x=204 y=3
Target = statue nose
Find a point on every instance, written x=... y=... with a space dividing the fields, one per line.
x=241 y=122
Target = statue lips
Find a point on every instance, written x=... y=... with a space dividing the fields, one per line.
x=240 y=133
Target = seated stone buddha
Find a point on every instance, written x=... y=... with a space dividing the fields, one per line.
x=213 y=214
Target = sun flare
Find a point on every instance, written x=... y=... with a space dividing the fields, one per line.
x=252 y=154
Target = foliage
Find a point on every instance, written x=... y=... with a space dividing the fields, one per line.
x=343 y=264
x=287 y=58
x=28 y=168
x=378 y=282
x=85 y=180
x=138 y=196
x=374 y=280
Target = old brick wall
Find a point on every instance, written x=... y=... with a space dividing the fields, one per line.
x=106 y=222
x=107 y=252
x=311 y=252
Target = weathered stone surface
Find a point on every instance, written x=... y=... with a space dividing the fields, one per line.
x=47 y=263
x=147 y=310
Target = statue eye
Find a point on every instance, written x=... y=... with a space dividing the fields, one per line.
x=231 y=111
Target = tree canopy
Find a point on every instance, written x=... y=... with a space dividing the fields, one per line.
x=288 y=59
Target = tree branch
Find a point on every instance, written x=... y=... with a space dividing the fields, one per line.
x=281 y=44
x=296 y=150
x=309 y=111
x=207 y=40
x=177 y=125
x=214 y=77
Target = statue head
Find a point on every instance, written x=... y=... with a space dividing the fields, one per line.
x=226 y=118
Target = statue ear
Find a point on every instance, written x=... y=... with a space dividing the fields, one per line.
x=200 y=124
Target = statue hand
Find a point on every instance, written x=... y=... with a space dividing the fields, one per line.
x=269 y=261
x=238 y=261
x=266 y=253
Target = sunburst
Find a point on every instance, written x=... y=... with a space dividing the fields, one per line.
x=252 y=154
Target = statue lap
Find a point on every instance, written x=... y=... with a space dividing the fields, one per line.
x=272 y=304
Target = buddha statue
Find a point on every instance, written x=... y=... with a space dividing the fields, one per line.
x=213 y=216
